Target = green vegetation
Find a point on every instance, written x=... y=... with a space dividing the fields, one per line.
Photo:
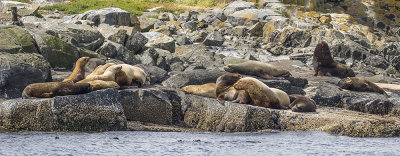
x=81 y=6
x=152 y=16
x=24 y=1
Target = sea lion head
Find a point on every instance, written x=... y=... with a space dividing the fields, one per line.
x=115 y=68
x=228 y=68
x=83 y=60
x=345 y=83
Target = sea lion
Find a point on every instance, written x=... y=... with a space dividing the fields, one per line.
x=100 y=84
x=300 y=103
x=284 y=100
x=100 y=69
x=131 y=74
x=260 y=94
x=51 y=89
x=225 y=91
x=324 y=65
x=360 y=84
x=257 y=68
x=79 y=71
x=108 y=75
x=206 y=90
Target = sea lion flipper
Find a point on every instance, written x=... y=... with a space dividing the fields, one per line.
x=47 y=95
x=265 y=76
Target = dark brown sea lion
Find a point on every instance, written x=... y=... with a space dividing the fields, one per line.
x=360 y=84
x=51 y=89
x=79 y=71
x=257 y=68
x=225 y=91
x=300 y=103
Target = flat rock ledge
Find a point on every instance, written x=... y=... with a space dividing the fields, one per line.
x=165 y=109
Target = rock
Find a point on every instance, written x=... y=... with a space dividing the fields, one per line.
x=14 y=39
x=214 y=39
x=293 y=37
x=367 y=102
x=159 y=40
x=198 y=56
x=236 y=6
x=136 y=42
x=95 y=111
x=151 y=105
x=182 y=40
x=256 y=29
x=223 y=116
x=118 y=37
x=84 y=36
x=377 y=61
x=166 y=16
x=57 y=52
x=200 y=36
x=326 y=94
x=191 y=25
x=147 y=23
x=93 y=63
x=165 y=30
x=194 y=77
x=251 y=16
x=111 y=16
x=157 y=75
x=118 y=51
x=19 y=70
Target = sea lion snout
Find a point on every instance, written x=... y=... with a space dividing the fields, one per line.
x=228 y=68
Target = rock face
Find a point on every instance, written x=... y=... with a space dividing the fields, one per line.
x=95 y=111
x=212 y=115
x=136 y=42
x=19 y=70
x=111 y=16
x=159 y=40
x=14 y=39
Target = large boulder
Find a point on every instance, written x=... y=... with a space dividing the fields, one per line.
x=14 y=39
x=83 y=36
x=214 y=39
x=19 y=70
x=114 y=50
x=249 y=15
x=115 y=34
x=111 y=16
x=95 y=111
x=159 y=40
x=152 y=105
x=194 y=77
x=136 y=42
x=157 y=75
x=236 y=6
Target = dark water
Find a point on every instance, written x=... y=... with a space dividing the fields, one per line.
x=178 y=143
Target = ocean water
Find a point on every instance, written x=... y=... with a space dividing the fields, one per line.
x=180 y=143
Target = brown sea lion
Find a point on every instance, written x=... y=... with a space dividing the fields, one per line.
x=300 y=103
x=108 y=75
x=257 y=68
x=225 y=91
x=100 y=84
x=131 y=74
x=79 y=71
x=260 y=94
x=51 y=89
x=284 y=100
x=360 y=84
x=324 y=65
x=100 y=70
x=206 y=90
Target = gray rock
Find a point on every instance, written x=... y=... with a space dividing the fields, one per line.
x=236 y=6
x=111 y=16
x=191 y=25
x=118 y=51
x=136 y=42
x=14 y=39
x=80 y=35
x=147 y=23
x=166 y=16
x=157 y=75
x=194 y=77
x=214 y=39
x=182 y=40
x=95 y=111
x=200 y=36
x=19 y=70
x=256 y=29
x=377 y=61
x=254 y=15
x=326 y=94
x=150 y=105
x=372 y=103
x=93 y=63
x=159 y=40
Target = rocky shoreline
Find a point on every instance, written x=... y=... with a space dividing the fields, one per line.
x=191 y=49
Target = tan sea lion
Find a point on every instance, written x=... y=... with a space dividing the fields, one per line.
x=51 y=89
x=131 y=74
x=100 y=84
x=300 y=103
x=257 y=68
x=260 y=94
x=79 y=71
x=206 y=90
x=284 y=100
x=324 y=65
x=225 y=91
x=360 y=84
x=108 y=75
x=100 y=69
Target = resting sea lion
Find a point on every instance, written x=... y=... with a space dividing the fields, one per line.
x=225 y=91
x=108 y=75
x=100 y=70
x=257 y=68
x=260 y=94
x=324 y=65
x=51 y=89
x=300 y=103
x=206 y=90
x=360 y=84
x=284 y=100
x=79 y=71
x=131 y=74
x=100 y=84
